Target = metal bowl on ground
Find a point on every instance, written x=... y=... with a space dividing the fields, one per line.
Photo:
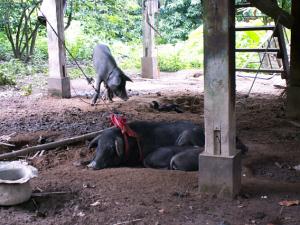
x=15 y=182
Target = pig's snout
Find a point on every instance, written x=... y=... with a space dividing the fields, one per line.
x=125 y=98
x=93 y=165
x=123 y=95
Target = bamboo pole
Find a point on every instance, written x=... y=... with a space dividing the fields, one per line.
x=51 y=145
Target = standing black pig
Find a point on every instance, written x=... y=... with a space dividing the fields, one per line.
x=109 y=73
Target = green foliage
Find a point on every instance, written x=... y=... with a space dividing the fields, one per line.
x=285 y=4
x=249 y=39
x=5 y=48
x=80 y=49
x=122 y=20
x=18 y=22
x=250 y=13
x=127 y=56
x=26 y=90
x=110 y=19
x=74 y=72
x=170 y=62
x=79 y=44
x=41 y=50
x=178 y=18
x=16 y=69
x=5 y=80
x=183 y=55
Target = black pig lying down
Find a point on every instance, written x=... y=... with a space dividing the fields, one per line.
x=165 y=145
x=109 y=73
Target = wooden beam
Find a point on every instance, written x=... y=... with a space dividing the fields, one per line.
x=295 y=45
x=293 y=91
x=219 y=77
x=220 y=163
x=149 y=59
x=58 y=81
x=272 y=9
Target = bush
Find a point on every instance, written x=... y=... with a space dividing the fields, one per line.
x=74 y=72
x=78 y=43
x=16 y=69
x=41 y=49
x=128 y=56
x=80 y=49
x=5 y=80
x=183 y=55
x=170 y=62
x=5 y=48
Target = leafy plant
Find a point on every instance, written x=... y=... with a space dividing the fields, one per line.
x=110 y=19
x=178 y=18
x=249 y=39
x=5 y=80
x=16 y=20
x=16 y=69
x=74 y=72
x=26 y=90
x=5 y=48
x=183 y=55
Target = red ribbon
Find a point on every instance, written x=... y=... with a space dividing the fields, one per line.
x=120 y=122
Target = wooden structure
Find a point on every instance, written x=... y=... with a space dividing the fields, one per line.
x=293 y=91
x=276 y=39
x=149 y=59
x=271 y=8
x=58 y=81
x=220 y=164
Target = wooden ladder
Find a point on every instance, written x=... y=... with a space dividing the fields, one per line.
x=280 y=50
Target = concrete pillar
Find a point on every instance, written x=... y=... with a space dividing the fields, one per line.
x=58 y=82
x=149 y=59
x=220 y=164
x=293 y=91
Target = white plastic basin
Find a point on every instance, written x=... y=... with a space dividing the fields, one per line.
x=15 y=182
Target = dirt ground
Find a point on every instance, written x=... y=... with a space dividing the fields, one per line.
x=149 y=196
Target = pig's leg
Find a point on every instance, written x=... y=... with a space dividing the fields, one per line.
x=108 y=95
x=193 y=137
x=97 y=90
x=187 y=160
x=159 y=159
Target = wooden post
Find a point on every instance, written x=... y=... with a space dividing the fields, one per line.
x=58 y=82
x=293 y=91
x=149 y=59
x=219 y=165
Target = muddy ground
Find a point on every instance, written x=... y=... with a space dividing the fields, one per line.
x=149 y=196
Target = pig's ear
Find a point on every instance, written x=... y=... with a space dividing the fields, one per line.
x=127 y=78
x=119 y=146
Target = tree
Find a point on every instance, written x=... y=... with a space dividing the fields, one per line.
x=178 y=18
x=18 y=21
x=109 y=19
